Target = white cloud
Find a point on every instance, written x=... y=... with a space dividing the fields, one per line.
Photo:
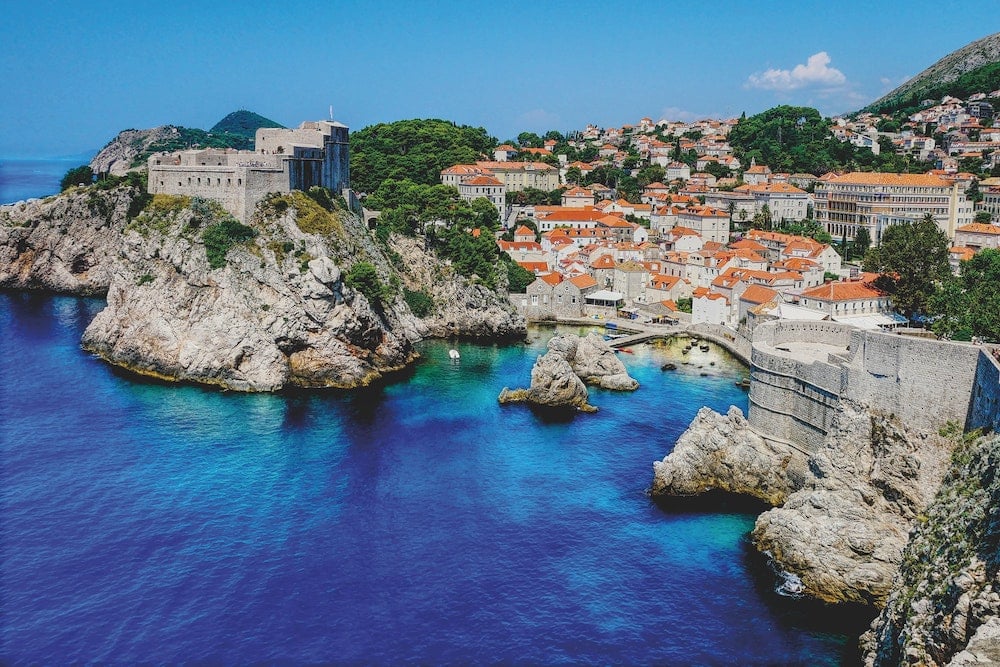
x=816 y=73
x=683 y=115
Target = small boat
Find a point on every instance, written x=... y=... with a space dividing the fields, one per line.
x=711 y=363
x=743 y=384
x=685 y=350
x=453 y=353
x=627 y=350
x=703 y=348
x=669 y=366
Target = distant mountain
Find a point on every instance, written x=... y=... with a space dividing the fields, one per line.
x=131 y=147
x=973 y=68
x=244 y=123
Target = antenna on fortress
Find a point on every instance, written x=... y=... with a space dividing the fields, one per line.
x=331 y=112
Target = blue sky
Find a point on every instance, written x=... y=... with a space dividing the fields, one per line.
x=72 y=74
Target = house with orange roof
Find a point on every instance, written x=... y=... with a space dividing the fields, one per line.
x=662 y=287
x=578 y=197
x=855 y=302
x=757 y=174
x=812 y=272
x=677 y=171
x=536 y=302
x=570 y=218
x=978 y=235
x=712 y=224
x=684 y=239
x=602 y=267
x=526 y=251
x=455 y=174
x=517 y=176
x=752 y=297
x=569 y=297
x=523 y=234
x=845 y=203
x=710 y=307
x=504 y=152
x=957 y=255
x=484 y=187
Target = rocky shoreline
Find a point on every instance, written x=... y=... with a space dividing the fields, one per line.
x=256 y=308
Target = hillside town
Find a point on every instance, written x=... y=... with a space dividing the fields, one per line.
x=715 y=241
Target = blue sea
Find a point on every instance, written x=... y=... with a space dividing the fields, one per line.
x=417 y=522
x=22 y=179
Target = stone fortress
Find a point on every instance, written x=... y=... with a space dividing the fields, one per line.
x=800 y=372
x=315 y=153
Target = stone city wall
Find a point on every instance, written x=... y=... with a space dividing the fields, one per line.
x=924 y=383
x=984 y=412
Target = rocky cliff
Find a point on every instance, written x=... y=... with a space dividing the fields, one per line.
x=195 y=296
x=842 y=514
x=119 y=154
x=945 y=604
x=459 y=306
x=66 y=243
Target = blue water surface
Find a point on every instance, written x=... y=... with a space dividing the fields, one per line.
x=22 y=179
x=417 y=522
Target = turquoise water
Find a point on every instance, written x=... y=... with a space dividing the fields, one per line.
x=416 y=522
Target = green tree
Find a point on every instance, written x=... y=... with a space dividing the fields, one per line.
x=574 y=175
x=529 y=140
x=970 y=302
x=363 y=277
x=862 y=241
x=518 y=277
x=414 y=150
x=912 y=261
x=82 y=175
x=984 y=217
x=486 y=215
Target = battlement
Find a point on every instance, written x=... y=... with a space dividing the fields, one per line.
x=801 y=371
x=317 y=153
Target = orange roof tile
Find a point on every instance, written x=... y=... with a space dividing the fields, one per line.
x=584 y=281
x=843 y=290
x=758 y=294
x=980 y=228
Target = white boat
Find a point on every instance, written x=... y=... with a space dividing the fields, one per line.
x=453 y=353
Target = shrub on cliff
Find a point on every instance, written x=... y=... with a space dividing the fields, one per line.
x=82 y=175
x=420 y=302
x=221 y=236
x=363 y=277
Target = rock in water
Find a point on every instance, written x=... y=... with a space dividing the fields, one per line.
x=553 y=385
x=723 y=452
x=265 y=320
x=594 y=361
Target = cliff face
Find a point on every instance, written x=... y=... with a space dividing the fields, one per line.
x=843 y=532
x=117 y=156
x=460 y=307
x=844 y=512
x=276 y=314
x=65 y=244
x=945 y=604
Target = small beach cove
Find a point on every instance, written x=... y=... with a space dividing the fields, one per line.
x=416 y=521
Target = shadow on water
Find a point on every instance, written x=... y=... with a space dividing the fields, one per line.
x=847 y=620
x=710 y=502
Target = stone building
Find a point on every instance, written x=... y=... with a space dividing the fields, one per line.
x=314 y=154
x=846 y=203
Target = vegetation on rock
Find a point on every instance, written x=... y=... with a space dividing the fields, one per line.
x=243 y=123
x=220 y=236
x=416 y=150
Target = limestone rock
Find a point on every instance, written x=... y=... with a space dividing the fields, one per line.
x=844 y=531
x=118 y=155
x=553 y=385
x=66 y=243
x=594 y=361
x=723 y=452
x=260 y=323
x=461 y=307
x=944 y=608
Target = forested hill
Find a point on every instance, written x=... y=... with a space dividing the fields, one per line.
x=243 y=123
x=416 y=150
x=798 y=140
x=974 y=68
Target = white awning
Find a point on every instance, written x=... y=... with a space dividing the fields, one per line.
x=872 y=320
x=605 y=295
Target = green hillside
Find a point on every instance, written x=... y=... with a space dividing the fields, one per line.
x=243 y=123
x=970 y=69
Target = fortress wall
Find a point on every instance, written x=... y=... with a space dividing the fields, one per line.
x=830 y=333
x=259 y=183
x=269 y=139
x=922 y=382
x=985 y=410
x=237 y=189
x=793 y=400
